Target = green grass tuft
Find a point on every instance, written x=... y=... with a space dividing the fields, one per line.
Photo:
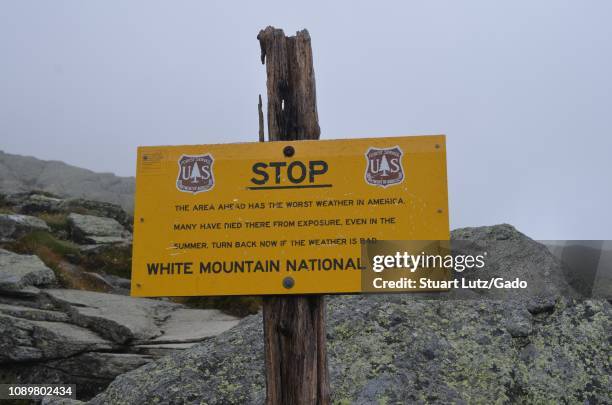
x=33 y=241
x=113 y=259
x=57 y=222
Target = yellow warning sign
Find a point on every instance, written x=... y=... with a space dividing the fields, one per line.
x=280 y=217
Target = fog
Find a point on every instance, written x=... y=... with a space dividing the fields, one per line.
x=522 y=90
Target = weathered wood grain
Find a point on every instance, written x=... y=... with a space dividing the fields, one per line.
x=294 y=326
x=292 y=99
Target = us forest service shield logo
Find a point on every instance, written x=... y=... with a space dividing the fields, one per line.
x=384 y=166
x=195 y=173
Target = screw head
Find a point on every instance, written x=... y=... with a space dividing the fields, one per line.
x=288 y=151
x=288 y=282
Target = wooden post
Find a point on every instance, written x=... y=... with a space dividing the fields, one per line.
x=294 y=326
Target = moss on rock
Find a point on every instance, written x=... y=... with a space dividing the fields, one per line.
x=396 y=349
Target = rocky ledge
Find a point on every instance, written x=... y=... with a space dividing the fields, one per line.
x=53 y=334
x=476 y=347
x=84 y=337
x=401 y=349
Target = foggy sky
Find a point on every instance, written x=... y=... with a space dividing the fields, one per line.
x=522 y=90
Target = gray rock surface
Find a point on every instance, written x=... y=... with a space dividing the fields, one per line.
x=90 y=372
x=398 y=348
x=25 y=173
x=191 y=325
x=97 y=208
x=382 y=348
x=86 y=338
x=98 y=365
x=60 y=401
x=118 y=318
x=14 y=226
x=511 y=254
x=33 y=314
x=25 y=292
x=26 y=340
x=20 y=271
x=120 y=285
x=89 y=337
x=33 y=202
x=97 y=230
x=395 y=349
